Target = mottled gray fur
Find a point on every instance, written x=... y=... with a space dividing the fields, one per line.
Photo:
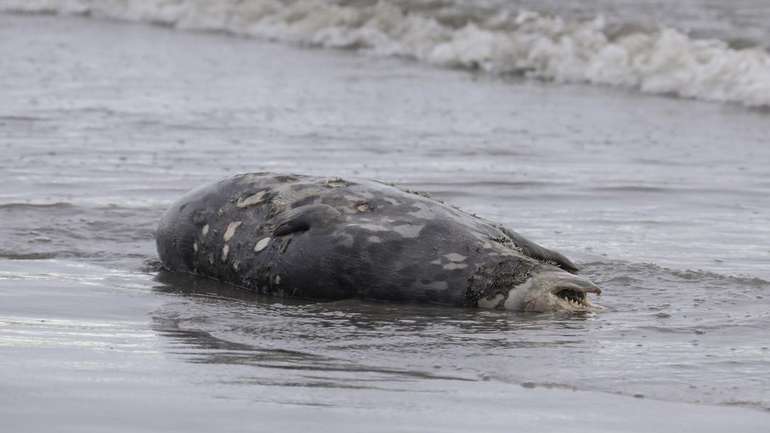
x=329 y=238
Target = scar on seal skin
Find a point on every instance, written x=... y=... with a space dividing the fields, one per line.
x=333 y=238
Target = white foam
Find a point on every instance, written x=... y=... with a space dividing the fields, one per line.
x=664 y=61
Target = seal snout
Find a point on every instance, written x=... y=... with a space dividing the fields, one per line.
x=575 y=284
x=561 y=291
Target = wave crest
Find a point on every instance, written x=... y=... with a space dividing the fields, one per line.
x=660 y=61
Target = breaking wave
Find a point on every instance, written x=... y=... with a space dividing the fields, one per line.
x=660 y=61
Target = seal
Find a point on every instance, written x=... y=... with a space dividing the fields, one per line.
x=332 y=238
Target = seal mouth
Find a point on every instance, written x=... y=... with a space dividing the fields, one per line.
x=574 y=295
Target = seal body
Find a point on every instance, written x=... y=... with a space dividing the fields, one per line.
x=330 y=238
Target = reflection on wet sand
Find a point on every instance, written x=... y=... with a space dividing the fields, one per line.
x=334 y=344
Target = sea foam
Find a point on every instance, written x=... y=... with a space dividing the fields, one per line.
x=661 y=61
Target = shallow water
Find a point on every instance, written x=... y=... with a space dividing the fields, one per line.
x=662 y=201
x=741 y=22
x=699 y=49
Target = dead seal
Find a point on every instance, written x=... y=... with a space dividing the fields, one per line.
x=331 y=238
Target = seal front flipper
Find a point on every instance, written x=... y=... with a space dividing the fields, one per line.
x=540 y=253
x=304 y=218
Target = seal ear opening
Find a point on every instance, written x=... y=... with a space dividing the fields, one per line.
x=301 y=219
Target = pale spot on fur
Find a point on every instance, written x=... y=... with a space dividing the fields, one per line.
x=374 y=239
x=436 y=262
x=226 y=251
x=231 y=228
x=453 y=266
x=205 y=230
x=437 y=285
x=195 y=247
x=371 y=227
x=336 y=182
x=211 y=258
x=422 y=211
x=517 y=297
x=409 y=230
x=346 y=240
x=261 y=245
x=491 y=303
x=251 y=200
x=277 y=279
x=278 y=204
x=454 y=257
x=251 y=178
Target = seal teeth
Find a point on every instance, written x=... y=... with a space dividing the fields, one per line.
x=575 y=302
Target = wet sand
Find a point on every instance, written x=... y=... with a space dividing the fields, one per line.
x=104 y=356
